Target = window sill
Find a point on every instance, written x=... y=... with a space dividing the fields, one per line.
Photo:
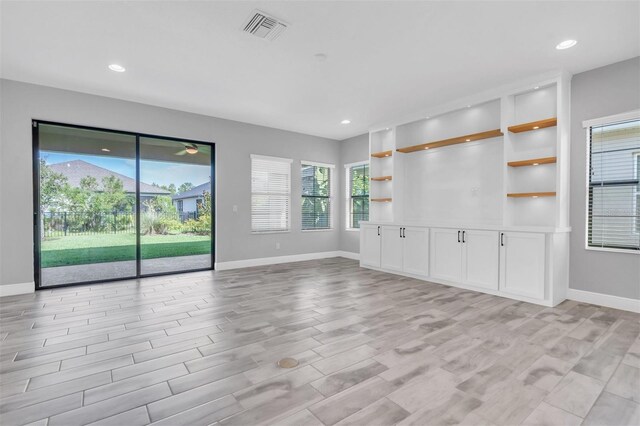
x=613 y=250
x=270 y=232
x=318 y=230
x=352 y=229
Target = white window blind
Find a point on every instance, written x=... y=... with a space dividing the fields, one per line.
x=614 y=191
x=270 y=194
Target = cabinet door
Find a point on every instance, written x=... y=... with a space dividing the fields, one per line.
x=445 y=254
x=369 y=246
x=522 y=260
x=480 y=257
x=391 y=248
x=416 y=251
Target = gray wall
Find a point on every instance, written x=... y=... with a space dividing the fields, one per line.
x=351 y=150
x=598 y=93
x=235 y=141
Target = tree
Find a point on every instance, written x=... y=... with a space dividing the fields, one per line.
x=187 y=186
x=53 y=188
x=113 y=197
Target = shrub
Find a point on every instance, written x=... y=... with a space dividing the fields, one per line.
x=200 y=226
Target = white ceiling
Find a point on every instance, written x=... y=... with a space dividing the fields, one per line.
x=384 y=59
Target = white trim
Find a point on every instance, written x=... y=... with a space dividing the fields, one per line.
x=19 y=288
x=357 y=163
x=266 y=157
x=349 y=255
x=616 y=302
x=247 y=263
x=612 y=119
x=612 y=250
x=317 y=164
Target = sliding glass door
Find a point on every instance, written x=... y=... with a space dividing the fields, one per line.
x=114 y=205
x=175 y=228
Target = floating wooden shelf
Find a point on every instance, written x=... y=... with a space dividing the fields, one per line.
x=532 y=162
x=534 y=125
x=453 y=141
x=381 y=200
x=382 y=154
x=531 y=194
x=381 y=178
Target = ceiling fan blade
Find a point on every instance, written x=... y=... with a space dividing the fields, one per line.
x=183 y=152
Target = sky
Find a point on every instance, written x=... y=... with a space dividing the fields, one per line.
x=162 y=173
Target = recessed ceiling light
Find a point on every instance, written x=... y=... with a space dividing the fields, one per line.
x=345 y=122
x=566 y=44
x=117 y=68
x=428 y=117
x=468 y=140
x=468 y=106
x=536 y=88
x=426 y=147
x=535 y=164
x=536 y=127
x=535 y=196
x=105 y=150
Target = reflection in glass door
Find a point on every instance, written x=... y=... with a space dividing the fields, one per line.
x=175 y=227
x=87 y=200
x=113 y=205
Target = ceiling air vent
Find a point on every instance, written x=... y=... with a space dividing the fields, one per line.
x=264 y=26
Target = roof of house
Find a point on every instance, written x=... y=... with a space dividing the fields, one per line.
x=76 y=170
x=194 y=192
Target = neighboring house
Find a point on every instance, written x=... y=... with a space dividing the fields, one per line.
x=76 y=170
x=187 y=202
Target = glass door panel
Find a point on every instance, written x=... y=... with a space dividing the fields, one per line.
x=175 y=206
x=87 y=199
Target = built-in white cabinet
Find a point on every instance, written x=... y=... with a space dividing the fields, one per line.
x=466 y=256
x=446 y=254
x=405 y=249
x=392 y=248
x=507 y=263
x=522 y=264
x=370 y=237
x=480 y=257
x=415 y=250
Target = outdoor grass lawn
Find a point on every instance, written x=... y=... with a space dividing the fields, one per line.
x=85 y=249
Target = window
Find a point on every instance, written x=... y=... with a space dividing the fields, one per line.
x=357 y=194
x=180 y=205
x=270 y=194
x=613 y=207
x=316 y=196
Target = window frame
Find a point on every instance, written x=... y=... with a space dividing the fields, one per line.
x=349 y=197
x=288 y=161
x=588 y=125
x=329 y=197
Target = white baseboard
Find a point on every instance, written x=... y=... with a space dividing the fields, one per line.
x=607 y=300
x=14 y=289
x=349 y=255
x=247 y=263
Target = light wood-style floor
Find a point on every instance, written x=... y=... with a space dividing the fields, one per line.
x=373 y=349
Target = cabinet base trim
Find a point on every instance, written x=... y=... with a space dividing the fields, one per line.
x=615 y=302
x=543 y=302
